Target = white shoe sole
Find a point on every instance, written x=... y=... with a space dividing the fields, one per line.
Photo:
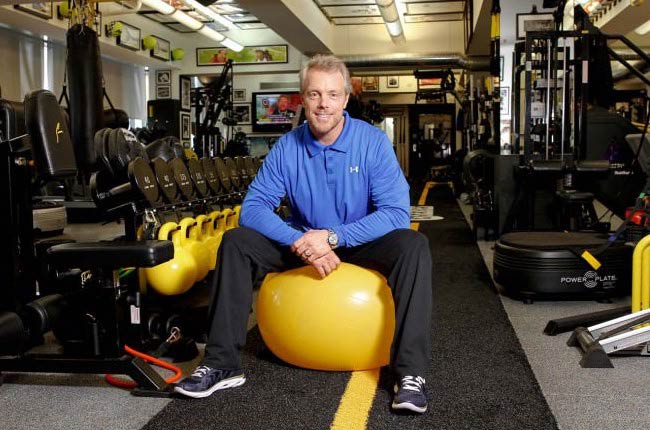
x=233 y=382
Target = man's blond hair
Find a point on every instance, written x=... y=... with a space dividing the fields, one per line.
x=327 y=63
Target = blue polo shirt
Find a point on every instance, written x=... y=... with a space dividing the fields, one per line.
x=354 y=186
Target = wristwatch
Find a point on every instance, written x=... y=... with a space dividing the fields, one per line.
x=332 y=239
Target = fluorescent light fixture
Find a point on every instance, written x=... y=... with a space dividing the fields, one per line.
x=390 y=15
x=209 y=13
x=643 y=29
x=180 y=16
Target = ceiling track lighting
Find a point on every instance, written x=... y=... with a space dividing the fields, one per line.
x=390 y=15
x=180 y=16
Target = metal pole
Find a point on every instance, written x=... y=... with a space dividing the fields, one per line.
x=548 y=94
x=564 y=104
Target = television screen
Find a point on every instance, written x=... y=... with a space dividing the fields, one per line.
x=275 y=112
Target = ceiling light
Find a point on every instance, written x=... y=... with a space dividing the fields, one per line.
x=643 y=28
x=390 y=15
x=180 y=16
x=209 y=13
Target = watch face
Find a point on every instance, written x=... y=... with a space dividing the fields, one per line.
x=332 y=239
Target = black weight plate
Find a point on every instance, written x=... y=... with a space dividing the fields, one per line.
x=105 y=150
x=123 y=143
x=143 y=179
x=198 y=177
x=160 y=148
x=250 y=167
x=232 y=171
x=223 y=174
x=99 y=184
x=210 y=175
x=165 y=178
x=182 y=178
x=113 y=151
x=100 y=151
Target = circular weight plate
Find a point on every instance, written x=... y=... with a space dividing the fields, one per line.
x=198 y=177
x=165 y=178
x=123 y=144
x=232 y=171
x=210 y=175
x=243 y=173
x=182 y=178
x=223 y=174
x=143 y=179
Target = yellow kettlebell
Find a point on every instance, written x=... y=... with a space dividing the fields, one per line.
x=177 y=275
x=236 y=211
x=218 y=226
x=195 y=248
x=211 y=244
x=229 y=214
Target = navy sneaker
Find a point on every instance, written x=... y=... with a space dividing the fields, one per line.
x=206 y=380
x=410 y=394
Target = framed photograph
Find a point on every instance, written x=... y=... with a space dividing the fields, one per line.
x=249 y=55
x=534 y=22
x=186 y=92
x=239 y=95
x=504 y=95
x=162 y=50
x=129 y=37
x=163 y=92
x=242 y=113
x=501 y=69
x=392 y=82
x=186 y=126
x=163 y=77
x=370 y=84
x=39 y=9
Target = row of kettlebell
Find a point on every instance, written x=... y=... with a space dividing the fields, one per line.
x=196 y=242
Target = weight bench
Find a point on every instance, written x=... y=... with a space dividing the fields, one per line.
x=113 y=309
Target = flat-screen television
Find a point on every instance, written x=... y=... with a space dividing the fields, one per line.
x=275 y=112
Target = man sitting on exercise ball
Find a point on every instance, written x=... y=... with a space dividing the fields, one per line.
x=349 y=201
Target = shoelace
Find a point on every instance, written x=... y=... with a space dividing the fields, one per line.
x=201 y=371
x=413 y=383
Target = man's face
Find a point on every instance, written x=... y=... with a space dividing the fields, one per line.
x=323 y=99
x=283 y=104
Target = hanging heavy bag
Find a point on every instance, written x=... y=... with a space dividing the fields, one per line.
x=84 y=70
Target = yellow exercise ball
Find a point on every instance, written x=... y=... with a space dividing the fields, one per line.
x=343 y=322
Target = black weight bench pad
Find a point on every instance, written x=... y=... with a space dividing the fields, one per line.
x=111 y=255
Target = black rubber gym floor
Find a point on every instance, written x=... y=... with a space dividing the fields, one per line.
x=479 y=376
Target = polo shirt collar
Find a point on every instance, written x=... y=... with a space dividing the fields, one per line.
x=342 y=143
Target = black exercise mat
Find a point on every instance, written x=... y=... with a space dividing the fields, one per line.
x=479 y=376
x=275 y=396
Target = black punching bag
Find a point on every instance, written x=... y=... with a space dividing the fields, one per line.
x=84 y=68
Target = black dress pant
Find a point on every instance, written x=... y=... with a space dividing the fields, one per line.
x=245 y=257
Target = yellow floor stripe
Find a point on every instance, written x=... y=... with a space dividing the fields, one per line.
x=355 y=404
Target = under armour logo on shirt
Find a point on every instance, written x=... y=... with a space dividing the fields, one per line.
x=354 y=169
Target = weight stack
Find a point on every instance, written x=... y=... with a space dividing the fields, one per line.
x=549 y=266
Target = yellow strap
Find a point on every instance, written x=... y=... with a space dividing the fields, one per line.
x=593 y=261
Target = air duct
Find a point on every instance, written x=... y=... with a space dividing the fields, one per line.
x=417 y=61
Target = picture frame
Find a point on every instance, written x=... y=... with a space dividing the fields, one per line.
x=162 y=50
x=258 y=54
x=370 y=84
x=40 y=9
x=533 y=22
x=163 y=92
x=392 y=82
x=504 y=95
x=242 y=113
x=163 y=77
x=239 y=95
x=185 y=85
x=129 y=37
x=501 y=68
x=186 y=126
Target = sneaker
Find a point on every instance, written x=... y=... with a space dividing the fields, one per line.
x=206 y=380
x=410 y=394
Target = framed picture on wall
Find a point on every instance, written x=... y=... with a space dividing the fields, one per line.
x=504 y=95
x=39 y=9
x=370 y=84
x=186 y=127
x=239 y=95
x=163 y=92
x=248 y=55
x=534 y=22
x=162 y=50
x=186 y=91
x=392 y=82
x=163 y=77
x=242 y=113
x=129 y=37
